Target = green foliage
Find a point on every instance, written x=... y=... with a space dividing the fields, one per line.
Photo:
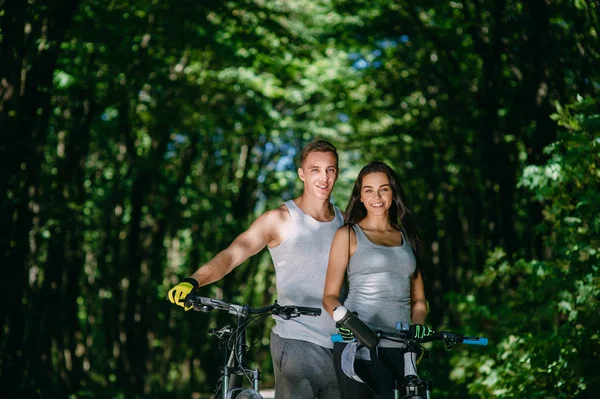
x=140 y=137
x=543 y=315
x=162 y=129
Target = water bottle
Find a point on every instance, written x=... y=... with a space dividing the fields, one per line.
x=361 y=331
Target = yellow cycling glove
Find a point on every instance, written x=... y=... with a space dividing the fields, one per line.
x=178 y=293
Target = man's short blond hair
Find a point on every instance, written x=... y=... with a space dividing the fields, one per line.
x=318 y=146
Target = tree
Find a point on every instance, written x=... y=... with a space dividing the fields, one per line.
x=542 y=315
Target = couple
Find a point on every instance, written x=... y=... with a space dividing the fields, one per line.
x=313 y=251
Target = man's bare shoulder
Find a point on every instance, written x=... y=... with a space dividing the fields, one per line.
x=272 y=219
x=281 y=214
x=273 y=224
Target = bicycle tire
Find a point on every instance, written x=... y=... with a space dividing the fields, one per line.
x=249 y=394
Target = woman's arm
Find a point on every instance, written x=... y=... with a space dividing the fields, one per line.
x=336 y=269
x=418 y=303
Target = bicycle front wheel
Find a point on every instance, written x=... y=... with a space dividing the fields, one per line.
x=249 y=394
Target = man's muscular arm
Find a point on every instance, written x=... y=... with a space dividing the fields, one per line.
x=265 y=230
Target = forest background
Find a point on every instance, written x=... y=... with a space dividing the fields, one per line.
x=139 y=137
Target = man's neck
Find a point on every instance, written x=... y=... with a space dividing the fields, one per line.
x=321 y=210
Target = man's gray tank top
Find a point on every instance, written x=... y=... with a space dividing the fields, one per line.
x=379 y=283
x=300 y=262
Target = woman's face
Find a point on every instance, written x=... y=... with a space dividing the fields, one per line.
x=376 y=193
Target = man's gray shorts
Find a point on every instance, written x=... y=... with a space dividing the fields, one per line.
x=303 y=370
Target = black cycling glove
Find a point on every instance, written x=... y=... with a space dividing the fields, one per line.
x=420 y=331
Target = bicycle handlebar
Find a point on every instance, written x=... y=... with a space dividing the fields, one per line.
x=449 y=338
x=286 y=312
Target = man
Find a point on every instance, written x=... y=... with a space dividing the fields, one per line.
x=298 y=234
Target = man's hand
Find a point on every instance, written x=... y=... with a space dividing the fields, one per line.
x=178 y=293
x=419 y=331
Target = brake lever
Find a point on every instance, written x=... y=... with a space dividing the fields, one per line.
x=286 y=312
x=202 y=308
x=450 y=340
x=197 y=306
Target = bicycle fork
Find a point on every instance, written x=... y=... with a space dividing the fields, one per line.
x=236 y=366
x=411 y=387
x=232 y=376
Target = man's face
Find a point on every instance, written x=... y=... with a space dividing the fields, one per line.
x=319 y=173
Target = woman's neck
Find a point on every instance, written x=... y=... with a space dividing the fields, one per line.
x=376 y=222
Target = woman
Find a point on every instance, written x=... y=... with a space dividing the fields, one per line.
x=377 y=249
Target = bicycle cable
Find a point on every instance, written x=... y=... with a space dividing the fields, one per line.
x=423 y=351
x=414 y=347
x=236 y=336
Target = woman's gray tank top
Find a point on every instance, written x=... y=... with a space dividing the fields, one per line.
x=300 y=262
x=379 y=283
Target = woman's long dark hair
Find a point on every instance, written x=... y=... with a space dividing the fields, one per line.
x=400 y=215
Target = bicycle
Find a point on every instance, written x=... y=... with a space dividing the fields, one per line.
x=410 y=385
x=233 y=342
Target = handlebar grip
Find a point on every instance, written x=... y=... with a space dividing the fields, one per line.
x=308 y=310
x=475 y=341
x=337 y=338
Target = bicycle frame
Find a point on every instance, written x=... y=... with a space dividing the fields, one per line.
x=410 y=385
x=234 y=359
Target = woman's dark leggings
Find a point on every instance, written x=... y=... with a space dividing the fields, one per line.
x=374 y=374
